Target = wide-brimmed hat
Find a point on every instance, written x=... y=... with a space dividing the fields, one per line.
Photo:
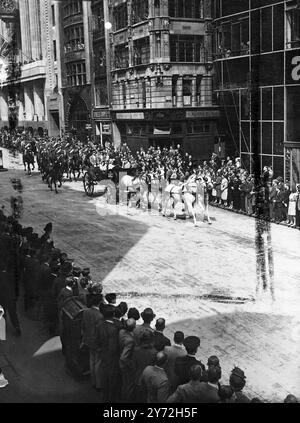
x=148 y=312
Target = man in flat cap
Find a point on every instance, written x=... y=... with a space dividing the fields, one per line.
x=237 y=381
x=147 y=316
x=183 y=364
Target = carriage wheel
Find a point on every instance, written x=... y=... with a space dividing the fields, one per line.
x=88 y=184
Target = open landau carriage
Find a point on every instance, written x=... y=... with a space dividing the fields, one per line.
x=107 y=180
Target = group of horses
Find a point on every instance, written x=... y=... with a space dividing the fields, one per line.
x=54 y=167
x=189 y=197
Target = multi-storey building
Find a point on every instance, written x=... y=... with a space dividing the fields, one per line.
x=31 y=30
x=257 y=81
x=161 y=74
x=76 y=50
x=100 y=72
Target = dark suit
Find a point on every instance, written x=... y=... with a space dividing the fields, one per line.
x=142 y=356
x=173 y=352
x=127 y=345
x=109 y=371
x=183 y=366
x=139 y=330
x=160 y=341
x=208 y=393
x=188 y=393
x=155 y=382
x=90 y=319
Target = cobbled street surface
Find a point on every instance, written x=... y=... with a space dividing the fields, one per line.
x=182 y=272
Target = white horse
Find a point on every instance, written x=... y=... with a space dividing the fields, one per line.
x=134 y=187
x=194 y=194
x=177 y=191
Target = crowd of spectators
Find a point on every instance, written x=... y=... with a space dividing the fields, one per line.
x=129 y=361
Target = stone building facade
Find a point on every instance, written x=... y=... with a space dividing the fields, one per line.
x=161 y=74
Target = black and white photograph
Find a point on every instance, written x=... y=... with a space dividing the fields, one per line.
x=149 y=204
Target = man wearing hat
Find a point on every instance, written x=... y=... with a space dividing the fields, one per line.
x=237 y=381
x=60 y=282
x=183 y=364
x=111 y=299
x=147 y=316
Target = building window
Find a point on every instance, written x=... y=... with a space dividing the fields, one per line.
x=121 y=56
x=54 y=50
x=72 y=7
x=190 y=9
x=101 y=97
x=53 y=14
x=198 y=127
x=140 y=11
x=141 y=51
x=76 y=74
x=174 y=90
x=187 y=48
x=120 y=16
x=233 y=38
x=124 y=94
x=293 y=27
x=187 y=87
x=98 y=21
x=74 y=38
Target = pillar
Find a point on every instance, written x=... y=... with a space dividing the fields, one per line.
x=194 y=93
x=39 y=108
x=25 y=29
x=179 y=92
x=35 y=29
x=3 y=107
x=29 y=106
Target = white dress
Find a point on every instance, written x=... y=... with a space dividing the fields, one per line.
x=224 y=189
x=292 y=204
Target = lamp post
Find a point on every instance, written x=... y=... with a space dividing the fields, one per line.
x=108 y=28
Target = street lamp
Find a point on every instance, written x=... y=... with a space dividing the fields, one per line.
x=108 y=26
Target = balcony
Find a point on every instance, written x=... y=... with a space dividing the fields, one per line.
x=8 y=10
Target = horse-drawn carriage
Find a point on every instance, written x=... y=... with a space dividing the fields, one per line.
x=108 y=179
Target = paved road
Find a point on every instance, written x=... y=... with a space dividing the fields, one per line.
x=180 y=271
